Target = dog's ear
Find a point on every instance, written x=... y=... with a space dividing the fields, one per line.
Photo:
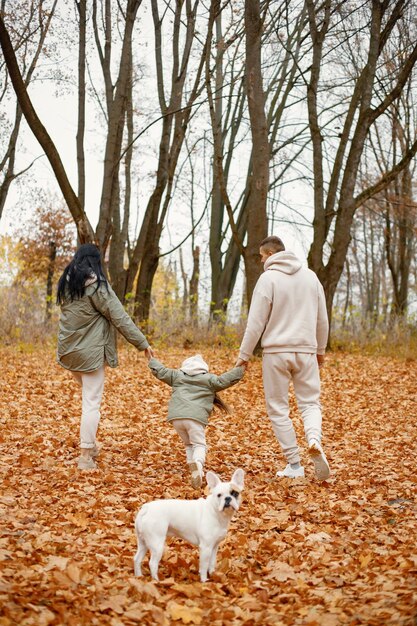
x=212 y=480
x=238 y=478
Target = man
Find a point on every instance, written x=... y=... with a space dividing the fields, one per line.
x=288 y=310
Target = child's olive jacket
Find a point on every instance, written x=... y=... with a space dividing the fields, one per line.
x=193 y=396
x=87 y=337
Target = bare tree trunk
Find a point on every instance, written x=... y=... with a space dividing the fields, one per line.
x=217 y=205
x=174 y=125
x=185 y=295
x=194 y=286
x=147 y=270
x=224 y=266
x=117 y=270
x=10 y=159
x=116 y=118
x=50 y=279
x=82 y=12
x=226 y=123
x=258 y=190
x=400 y=243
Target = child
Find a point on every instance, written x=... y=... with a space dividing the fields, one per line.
x=193 y=396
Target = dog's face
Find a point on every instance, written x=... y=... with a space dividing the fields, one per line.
x=226 y=496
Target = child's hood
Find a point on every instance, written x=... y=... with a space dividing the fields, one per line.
x=194 y=365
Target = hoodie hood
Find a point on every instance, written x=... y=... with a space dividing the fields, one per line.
x=285 y=262
x=194 y=365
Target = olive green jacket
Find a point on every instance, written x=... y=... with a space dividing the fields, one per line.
x=87 y=336
x=193 y=396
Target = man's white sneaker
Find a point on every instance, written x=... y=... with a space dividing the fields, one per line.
x=288 y=472
x=196 y=474
x=321 y=466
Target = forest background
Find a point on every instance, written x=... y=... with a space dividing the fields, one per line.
x=176 y=135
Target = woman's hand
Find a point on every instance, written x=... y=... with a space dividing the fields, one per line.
x=149 y=353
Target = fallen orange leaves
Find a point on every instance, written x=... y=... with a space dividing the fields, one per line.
x=298 y=553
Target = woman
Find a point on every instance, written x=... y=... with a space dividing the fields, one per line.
x=90 y=315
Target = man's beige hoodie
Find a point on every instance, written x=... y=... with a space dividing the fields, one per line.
x=288 y=309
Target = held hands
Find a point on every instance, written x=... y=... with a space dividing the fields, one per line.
x=149 y=353
x=241 y=363
x=320 y=359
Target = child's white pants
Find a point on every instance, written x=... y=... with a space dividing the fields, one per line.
x=193 y=435
x=92 y=384
x=279 y=368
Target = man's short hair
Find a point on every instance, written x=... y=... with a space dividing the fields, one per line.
x=272 y=244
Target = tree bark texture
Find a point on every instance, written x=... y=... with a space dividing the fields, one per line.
x=116 y=107
x=258 y=189
x=82 y=13
x=50 y=279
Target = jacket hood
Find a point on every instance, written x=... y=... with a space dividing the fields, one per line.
x=285 y=262
x=194 y=365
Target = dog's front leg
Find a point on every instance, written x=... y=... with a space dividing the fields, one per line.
x=206 y=552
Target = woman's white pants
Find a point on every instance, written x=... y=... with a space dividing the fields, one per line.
x=92 y=384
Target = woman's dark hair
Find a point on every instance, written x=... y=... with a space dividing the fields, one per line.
x=85 y=264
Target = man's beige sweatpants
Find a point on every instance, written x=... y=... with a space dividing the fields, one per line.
x=279 y=368
x=92 y=384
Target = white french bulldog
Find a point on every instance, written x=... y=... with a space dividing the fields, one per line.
x=202 y=522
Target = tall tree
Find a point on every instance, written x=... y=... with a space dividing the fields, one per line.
x=282 y=45
x=116 y=101
x=258 y=188
x=175 y=118
x=82 y=14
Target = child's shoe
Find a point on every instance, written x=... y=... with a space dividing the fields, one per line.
x=196 y=470
x=288 y=472
x=321 y=466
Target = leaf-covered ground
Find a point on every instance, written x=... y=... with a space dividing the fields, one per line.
x=341 y=552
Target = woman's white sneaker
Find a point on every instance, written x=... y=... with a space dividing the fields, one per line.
x=86 y=463
x=288 y=472
x=94 y=452
x=321 y=466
